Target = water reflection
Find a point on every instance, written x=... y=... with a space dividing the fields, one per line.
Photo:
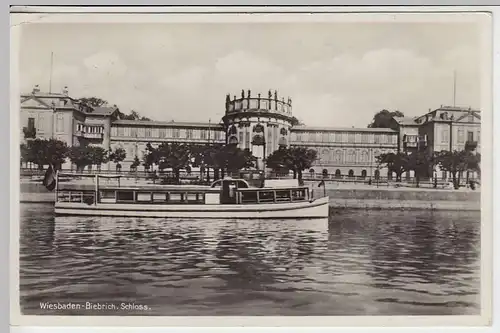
x=357 y=263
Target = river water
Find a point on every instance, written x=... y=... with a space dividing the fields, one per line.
x=357 y=263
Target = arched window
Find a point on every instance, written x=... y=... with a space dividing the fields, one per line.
x=258 y=128
x=363 y=173
x=351 y=173
x=338 y=157
x=282 y=142
x=325 y=173
x=283 y=131
x=351 y=156
x=338 y=174
x=233 y=140
x=233 y=130
x=325 y=155
x=364 y=157
x=311 y=172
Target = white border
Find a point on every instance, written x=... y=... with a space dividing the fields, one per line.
x=368 y=15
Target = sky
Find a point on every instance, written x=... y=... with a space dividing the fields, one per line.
x=337 y=74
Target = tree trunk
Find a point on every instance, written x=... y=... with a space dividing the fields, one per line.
x=222 y=173
x=454 y=177
x=294 y=174
x=177 y=176
x=208 y=174
x=417 y=178
x=216 y=174
x=299 y=172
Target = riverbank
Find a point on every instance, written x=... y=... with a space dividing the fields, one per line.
x=343 y=197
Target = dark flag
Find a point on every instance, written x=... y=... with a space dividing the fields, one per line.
x=322 y=183
x=49 y=181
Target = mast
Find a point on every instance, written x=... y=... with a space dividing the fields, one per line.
x=51 y=65
x=454 y=87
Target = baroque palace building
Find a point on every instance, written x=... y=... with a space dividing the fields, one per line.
x=259 y=123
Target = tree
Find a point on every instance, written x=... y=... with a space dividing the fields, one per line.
x=117 y=156
x=420 y=163
x=397 y=163
x=280 y=161
x=135 y=163
x=29 y=132
x=134 y=115
x=43 y=152
x=384 y=119
x=296 y=159
x=456 y=162
x=296 y=122
x=150 y=156
x=26 y=154
x=97 y=155
x=234 y=159
x=79 y=155
x=175 y=156
x=93 y=101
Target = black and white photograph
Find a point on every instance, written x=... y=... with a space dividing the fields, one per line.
x=282 y=165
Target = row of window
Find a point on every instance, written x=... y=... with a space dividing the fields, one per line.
x=462 y=136
x=350 y=156
x=90 y=128
x=347 y=137
x=176 y=133
x=263 y=104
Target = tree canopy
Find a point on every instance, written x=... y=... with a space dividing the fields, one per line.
x=43 y=152
x=296 y=159
x=384 y=119
x=93 y=101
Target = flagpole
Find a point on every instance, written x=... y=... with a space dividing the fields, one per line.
x=454 y=87
x=51 y=65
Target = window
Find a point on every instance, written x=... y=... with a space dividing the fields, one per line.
x=376 y=138
x=203 y=134
x=338 y=137
x=247 y=139
x=31 y=123
x=351 y=137
x=338 y=156
x=162 y=133
x=241 y=137
x=325 y=136
x=351 y=156
x=364 y=138
x=60 y=123
x=470 y=136
x=299 y=136
x=189 y=133
x=460 y=135
x=175 y=133
x=133 y=132
x=364 y=156
x=444 y=136
x=120 y=131
x=148 y=132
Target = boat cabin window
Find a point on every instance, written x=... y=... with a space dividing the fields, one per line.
x=238 y=182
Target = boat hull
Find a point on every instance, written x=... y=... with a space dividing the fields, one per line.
x=316 y=209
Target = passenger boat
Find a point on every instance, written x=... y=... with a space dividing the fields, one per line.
x=227 y=198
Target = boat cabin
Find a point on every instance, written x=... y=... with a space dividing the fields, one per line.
x=226 y=191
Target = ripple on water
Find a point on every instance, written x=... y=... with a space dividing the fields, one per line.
x=358 y=263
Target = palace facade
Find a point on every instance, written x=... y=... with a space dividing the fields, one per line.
x=259 y=123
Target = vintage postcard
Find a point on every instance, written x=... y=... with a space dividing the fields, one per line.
x=251 y=166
